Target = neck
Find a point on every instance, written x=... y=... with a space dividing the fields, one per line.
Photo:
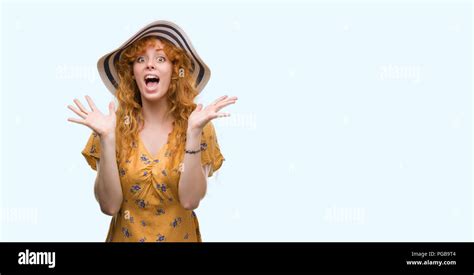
x=154 y=113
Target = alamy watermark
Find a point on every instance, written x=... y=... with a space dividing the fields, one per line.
x=76 y=72
x=37 y=258
x=345 y=215
x=400 y=72
x=239 y=120
x=15 y=215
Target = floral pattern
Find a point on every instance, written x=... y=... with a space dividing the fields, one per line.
x=150 y=185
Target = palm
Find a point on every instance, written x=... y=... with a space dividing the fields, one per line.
x=94 y=119
x=200 y=117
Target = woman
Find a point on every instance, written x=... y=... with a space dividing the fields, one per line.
x=153 y=155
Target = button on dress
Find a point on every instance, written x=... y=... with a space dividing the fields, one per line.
x=151 y=211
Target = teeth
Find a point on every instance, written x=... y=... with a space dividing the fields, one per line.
x=149 y=76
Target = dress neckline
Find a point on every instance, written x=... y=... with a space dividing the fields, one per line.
x=158 y=153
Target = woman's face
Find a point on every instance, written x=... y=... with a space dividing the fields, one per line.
x=152 y=71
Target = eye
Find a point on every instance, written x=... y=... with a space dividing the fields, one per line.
x=160 y=59
x=140 y=59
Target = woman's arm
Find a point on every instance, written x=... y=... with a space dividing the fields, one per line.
x=193 y=180
x=107 y=188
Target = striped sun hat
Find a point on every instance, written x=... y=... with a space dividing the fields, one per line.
x=160 y=29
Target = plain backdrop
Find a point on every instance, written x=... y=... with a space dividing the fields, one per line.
x=354 y=119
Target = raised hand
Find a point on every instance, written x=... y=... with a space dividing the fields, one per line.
x=104 y=125
x=200 y=117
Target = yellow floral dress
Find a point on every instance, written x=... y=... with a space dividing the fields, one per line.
x=151 y=211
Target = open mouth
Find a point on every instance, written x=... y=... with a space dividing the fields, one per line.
x=151 y=81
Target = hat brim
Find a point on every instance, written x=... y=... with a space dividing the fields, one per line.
x=160 y=29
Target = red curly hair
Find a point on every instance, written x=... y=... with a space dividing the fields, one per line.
x=180 y=95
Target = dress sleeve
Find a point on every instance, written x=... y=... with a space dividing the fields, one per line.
x=211 y=153
x=92 y=150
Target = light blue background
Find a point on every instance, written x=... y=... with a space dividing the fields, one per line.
x=354 y=119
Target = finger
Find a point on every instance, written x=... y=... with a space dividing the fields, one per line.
x=91 y=103
x=219 y=99
x=81 y=107
x=230 y=99
x=199 y=107
x=223 y=104
x=79 y=113
x=221 y=115
x=76 y=120
x=111 y=108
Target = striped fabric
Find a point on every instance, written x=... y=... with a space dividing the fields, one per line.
x=161 y=29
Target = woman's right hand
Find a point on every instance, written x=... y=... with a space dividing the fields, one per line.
x=104 y=125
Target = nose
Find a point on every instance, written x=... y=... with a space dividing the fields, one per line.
x=150 y=65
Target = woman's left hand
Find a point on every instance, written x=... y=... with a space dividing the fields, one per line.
x=200 y=117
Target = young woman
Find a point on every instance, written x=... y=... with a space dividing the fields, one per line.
x=154 y=154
